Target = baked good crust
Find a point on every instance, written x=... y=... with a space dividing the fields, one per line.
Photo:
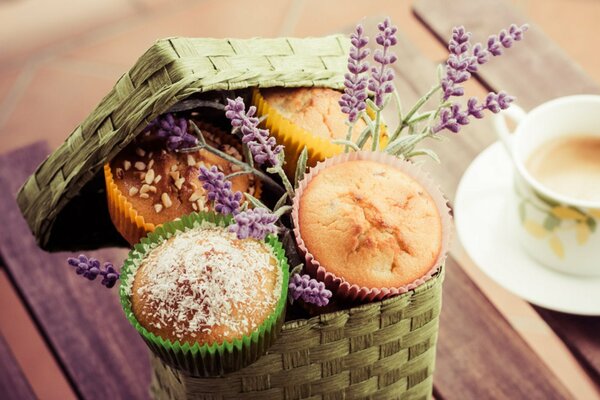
x=370 y=224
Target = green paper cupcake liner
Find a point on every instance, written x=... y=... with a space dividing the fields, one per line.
x=205 y=360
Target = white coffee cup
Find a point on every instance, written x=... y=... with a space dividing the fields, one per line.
x=559 y=231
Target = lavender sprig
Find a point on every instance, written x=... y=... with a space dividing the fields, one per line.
x=173 y=131
x=309 y=290
x=380 y=82
x=219 y=191
x=254 y=223
x=463 y=59
x=263 y=147
x=353 y=100
x=90 y=268
x=452 y=118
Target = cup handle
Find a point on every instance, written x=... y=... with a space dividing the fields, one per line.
x=515 y=113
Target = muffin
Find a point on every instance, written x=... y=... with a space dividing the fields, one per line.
x=206 y=286
x=149 y=185
x=369 y=225
x=205 y=301
x=310 y=117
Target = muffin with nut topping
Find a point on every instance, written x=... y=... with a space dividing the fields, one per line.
x=149 y=184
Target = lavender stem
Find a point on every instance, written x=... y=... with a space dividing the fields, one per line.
x=267 y=180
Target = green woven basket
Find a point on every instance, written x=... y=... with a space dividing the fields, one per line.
x=68 y=187
x=382 y=350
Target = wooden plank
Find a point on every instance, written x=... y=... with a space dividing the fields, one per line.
x=479 y=354
x=101 y=354
x=537 y=70
x=13 y=384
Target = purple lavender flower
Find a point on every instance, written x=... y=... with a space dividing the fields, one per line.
x=464 y=59
x=453 y=118
x=90 y=268
x=381 y=78
x=255 y=223
x=355 y=94
x=173 y=131
x=309 y=290
x=218 y=189
x=263 y=147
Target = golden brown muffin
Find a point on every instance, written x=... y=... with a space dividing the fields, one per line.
x=162 y=185
x=206 y=286
x=370 y=224
x=316 y=110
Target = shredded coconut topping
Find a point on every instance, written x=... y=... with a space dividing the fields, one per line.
x=205 y=278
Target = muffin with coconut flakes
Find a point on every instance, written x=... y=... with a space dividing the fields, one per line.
x=206 y=286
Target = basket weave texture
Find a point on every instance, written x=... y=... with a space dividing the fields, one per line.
x=382 y=350
x=68 y=187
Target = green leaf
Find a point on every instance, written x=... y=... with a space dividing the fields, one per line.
x=545 y=199
x=255 y=202
x=301 y=166
x=551 y=222
x=363 y=137
x=403 y=144
x=282 y=210
x=247 y=155
x=591 y=223
x=425 y=152
x=297 y=269
x=522 y=211
x=281 y=201
x=346 y=143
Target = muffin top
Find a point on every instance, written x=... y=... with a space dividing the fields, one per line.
x=316 y=110
x=370 y=224
x=206 y=286
x=163 y=185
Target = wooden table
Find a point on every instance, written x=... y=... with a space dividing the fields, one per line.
x=483 y=353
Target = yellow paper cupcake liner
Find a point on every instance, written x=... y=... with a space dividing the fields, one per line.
x=128 y=221
x=295 y=138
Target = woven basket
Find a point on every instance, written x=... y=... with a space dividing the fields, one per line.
x=68 y=187
x=381 y=350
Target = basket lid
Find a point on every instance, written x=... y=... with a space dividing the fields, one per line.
x=64 y=201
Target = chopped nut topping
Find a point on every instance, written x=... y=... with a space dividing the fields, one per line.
x=174 y=175
x=158 y=207
x=149 y=178
x=201 y=164
x=150 y=164
x=174 y=167
x=145 y=189
x=140 y=165
x=190 y=160
x=201 y=204
x=166 y=200
x=152 y=189
x=140 y=152
x=251 y=190
x=144 y=196
x=119 y=172
x=235 y=168
x=150 y=154
x=133 y=191
x=195 y=196
x=126 y=165
x=195 y=206
x=158 y=178
x=179 y=183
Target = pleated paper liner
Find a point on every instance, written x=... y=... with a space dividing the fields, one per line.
x=197 y=359
x=338 y=285
x=294 y=138
x=127 y=220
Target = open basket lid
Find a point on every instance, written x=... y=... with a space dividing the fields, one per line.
x=64 y=201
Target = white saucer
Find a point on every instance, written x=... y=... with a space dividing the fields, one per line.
x=483 y=226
